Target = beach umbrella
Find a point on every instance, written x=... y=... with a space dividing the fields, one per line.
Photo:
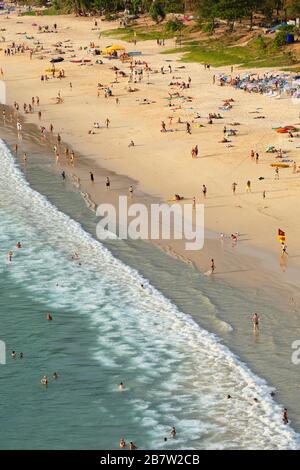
x=117 y=47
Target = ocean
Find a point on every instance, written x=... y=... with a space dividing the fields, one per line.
x=167 y=342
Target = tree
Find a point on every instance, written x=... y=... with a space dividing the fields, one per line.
x=294 y=9
x=157 y=11
x=231 y=10
x=207 y=10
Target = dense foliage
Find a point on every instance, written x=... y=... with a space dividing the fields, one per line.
x=229 y=10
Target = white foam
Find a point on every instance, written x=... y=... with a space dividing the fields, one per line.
x=188 y=370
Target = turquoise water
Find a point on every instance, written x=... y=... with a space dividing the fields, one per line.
x=107 y=329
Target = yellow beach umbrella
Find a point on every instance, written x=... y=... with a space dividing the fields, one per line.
x=117 y=47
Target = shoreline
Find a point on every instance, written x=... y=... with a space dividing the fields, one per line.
x=222 y=211
x=260 y=265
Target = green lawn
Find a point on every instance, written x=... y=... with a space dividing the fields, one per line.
x=255 y=54
x=128 y=34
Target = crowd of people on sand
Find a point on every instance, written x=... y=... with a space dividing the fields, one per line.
x=138 y=70
x=265 y=84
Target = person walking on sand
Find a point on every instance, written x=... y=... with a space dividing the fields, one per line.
x=131 y=190
x=264 y=194
x=92 y=177
x=107 y=184
x=233 y=186
x=255 y=321
x=63 y=174
x=294 y=167
x=256 y=157
x=284 y=249
x=204 y=191
x=276 y=173
x=107 y=122
x=248 y=186
x=212 y=266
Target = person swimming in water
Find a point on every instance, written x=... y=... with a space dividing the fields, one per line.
x=49 y=316
x=121 y=386
x=55 y=375
x=19 y=245
x=132 y=446
x=285 y=417
x=10 y=255
x=122 y=444
x=173 y=432
x=255 y=321
x=44 y=380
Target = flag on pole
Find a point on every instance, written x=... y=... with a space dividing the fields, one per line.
x=281 y=236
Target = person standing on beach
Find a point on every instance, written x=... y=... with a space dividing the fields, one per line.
x=92 y=177
x=212 y=266
x=248 y=186
x=255 y=321
x=276 y=173
x=131 y=190
x=63 y=174
x=256 y=157
x=204 y=191
x=107 y=122
x=107 y=183
x=234 y=185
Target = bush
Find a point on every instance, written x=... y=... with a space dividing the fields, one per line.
x=261 y=43
x=279 y=39
x=174 y=25
x=208 y=27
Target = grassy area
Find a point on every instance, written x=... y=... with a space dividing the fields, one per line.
x=257 y=53
x=47 y=12
x=152 y=33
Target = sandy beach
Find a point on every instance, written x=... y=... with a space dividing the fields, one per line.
x=160 y=163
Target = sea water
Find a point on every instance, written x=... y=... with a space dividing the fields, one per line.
x=106 y=329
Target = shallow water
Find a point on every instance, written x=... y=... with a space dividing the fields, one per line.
x=107 y=329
